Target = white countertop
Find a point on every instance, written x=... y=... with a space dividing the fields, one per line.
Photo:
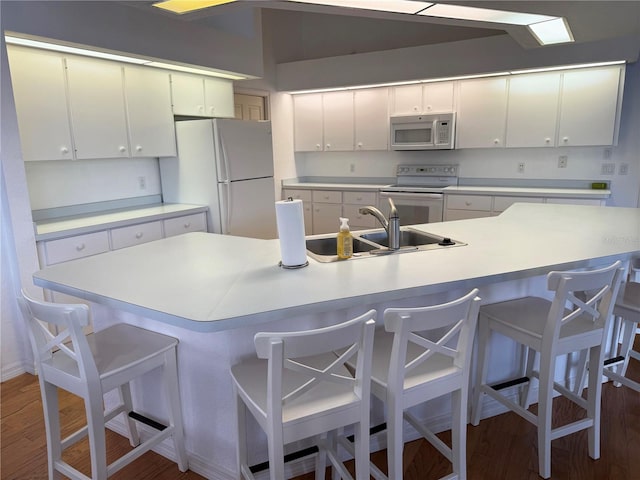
x=209 y=282
x=530 y=191
x=81 y=224
x=334 y=186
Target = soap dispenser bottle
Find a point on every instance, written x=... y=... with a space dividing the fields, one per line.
x=345 y=240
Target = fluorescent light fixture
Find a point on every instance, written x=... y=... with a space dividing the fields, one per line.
x=551 y=31
x=86 y=52
x=460 y=12
x=567 y=67
x=185 y=6
x=74 y=50
x=394 y=6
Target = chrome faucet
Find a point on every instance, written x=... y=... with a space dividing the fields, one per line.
x=391 y=226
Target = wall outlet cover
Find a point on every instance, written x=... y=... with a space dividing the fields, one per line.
x=608 y=169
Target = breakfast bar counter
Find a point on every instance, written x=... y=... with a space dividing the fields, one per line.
x=215 y=292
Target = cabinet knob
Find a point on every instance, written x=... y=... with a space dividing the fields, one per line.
x=565 y=139
x=122 y=149
x=212 y=110
x=139 y=235
x=468 y=204
x=547 y=140
x=80 y=247
x=187 y=225
x=328 y=146
x=200 y=108
x=416 y=108
x=64 y=150
x=318 y=147
x=359 y=144
x=496 y=141
x=429 y=107
x=138 y=148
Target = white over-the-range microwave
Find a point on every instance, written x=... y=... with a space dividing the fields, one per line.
x=434 y=131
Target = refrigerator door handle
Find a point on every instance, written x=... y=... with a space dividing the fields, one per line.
x=225 y=162
x=225 y=206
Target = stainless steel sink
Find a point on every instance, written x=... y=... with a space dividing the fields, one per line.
x=371 y=243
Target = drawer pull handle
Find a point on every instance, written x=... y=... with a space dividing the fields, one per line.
x=468 y=204
x=139 y=235
x=80 y=247
x=139 y=148
x=64 y=150
x=122 y=149
x=187 y=225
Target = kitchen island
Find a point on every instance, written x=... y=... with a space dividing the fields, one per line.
x=214 y=292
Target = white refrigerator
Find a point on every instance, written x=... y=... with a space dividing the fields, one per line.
x=226 y=164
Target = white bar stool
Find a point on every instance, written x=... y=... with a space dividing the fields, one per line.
x=91 y=365
x=627 y=309
x=299 y=388
x=424 y=353
x=551 y=329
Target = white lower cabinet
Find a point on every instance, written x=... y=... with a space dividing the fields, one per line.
x=461 y=207
x=72 y=248
x=327 y=209
x=305 y=196
x=190 y=223
x=135 y=234
x=352 y=203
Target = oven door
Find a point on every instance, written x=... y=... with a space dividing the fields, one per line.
x=414 y=208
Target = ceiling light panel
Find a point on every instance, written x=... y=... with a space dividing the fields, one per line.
x=185 y=6
x=551 y=31
x=460 y=12
x=394 y=6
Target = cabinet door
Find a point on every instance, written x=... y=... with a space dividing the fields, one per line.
x=39 y=91
x=371 y=120
x=187 y=94
x=148 y=96
x=326 y=217
x=96 y=98
x=406 y=99
x=218 y=98
x=437 y=97
x=307 y=122
x=588 y=108
x=482 y=109
x=338 y=121
x=533 y=110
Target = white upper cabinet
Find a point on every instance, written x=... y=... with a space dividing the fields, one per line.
x=406 y=99
x=96 y=99
x=337 y=108
x=371 y=121
x=307 y=122
x=218 y=98
x=438 y=97
x=482 y=113
x=203 y=97
x=39 y=90
x=148 y=97
x=422 y=98
x=533 y=110
x=187 y=93
x=589 y=106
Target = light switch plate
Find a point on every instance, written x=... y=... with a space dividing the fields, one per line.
x=608 y=169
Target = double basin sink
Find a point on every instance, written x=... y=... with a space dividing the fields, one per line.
x=372 y=243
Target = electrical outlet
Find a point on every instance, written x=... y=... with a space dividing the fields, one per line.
x=352 y=167
x=608 y=169
x=623 y=169
x=142 y=182
x=562 y=161
x=521 y=167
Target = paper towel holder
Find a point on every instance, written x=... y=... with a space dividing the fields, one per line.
x=292 y=267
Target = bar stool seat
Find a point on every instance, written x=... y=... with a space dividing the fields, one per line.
x=90 y=366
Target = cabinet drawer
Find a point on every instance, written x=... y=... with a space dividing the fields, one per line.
x=327 y=196
x=469 y=202
x=356 y=218
x=500 y=204
x=360 y=198
x=189 y=223
x=304 y=195
x=80 y=246
x=135 y=234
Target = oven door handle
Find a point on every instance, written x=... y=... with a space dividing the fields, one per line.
x=410 y=195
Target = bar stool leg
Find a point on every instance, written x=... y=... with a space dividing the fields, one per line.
x=170 y=373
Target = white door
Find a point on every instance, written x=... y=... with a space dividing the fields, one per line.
x=482 y=113
x=247 y=208
x=244 y=149
x=371 y=119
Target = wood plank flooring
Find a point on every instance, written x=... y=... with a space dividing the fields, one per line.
x=500 y=448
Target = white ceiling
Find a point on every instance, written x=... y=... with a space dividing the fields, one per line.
x=300 y=31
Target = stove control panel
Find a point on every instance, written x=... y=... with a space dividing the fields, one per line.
x=427 y=170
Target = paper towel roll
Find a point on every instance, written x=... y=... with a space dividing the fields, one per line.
x=290 y=220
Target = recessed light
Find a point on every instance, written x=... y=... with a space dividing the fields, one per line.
x=460 y=12
x=551 y=31
x=185 y=6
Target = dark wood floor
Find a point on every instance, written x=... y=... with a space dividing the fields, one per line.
x=500 y=448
